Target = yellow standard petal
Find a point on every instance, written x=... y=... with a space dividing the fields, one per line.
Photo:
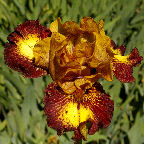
x=41 y=52
x=56 y=26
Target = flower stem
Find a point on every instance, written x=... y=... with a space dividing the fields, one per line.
x=79 y=142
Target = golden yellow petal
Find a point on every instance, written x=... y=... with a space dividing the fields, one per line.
x=41 y=52
x=83 y=48
x=71 y=27
x=57 y=38
x=83 y=83
x=89 y=24
x=56 y=26
x=56 y=44
x=106 y=72
x=68 y=87
x=100 y=55
x=65 y=55
x=101 y=27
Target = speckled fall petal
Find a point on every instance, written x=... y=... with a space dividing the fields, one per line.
x=18 y=51
x=71 y=112
x=122 y=66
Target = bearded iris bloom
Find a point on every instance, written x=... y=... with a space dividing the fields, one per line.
x=76 y=57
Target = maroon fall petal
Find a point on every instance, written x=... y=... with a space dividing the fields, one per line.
x=13 y=56
x=123 y=70
x=21 y=63
x=94 y=101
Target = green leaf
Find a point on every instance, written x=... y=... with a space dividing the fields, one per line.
x=136 y=134
x=3 y=125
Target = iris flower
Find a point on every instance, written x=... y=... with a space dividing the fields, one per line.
x=76 y=57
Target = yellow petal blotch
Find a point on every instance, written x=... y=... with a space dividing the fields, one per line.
x=25 y=46
x=122 y=59
x=72 y=116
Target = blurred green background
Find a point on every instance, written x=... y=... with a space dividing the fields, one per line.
x=22 y=119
